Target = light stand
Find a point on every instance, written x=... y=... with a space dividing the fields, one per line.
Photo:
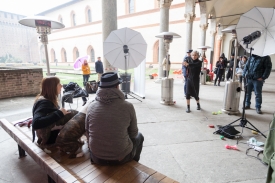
x=127 y=91
x=43 y=26
x=243 y=120
x=167 y=83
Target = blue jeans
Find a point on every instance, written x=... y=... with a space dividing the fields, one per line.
x=257 y=85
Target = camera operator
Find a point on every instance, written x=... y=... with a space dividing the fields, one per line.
x=256 y=71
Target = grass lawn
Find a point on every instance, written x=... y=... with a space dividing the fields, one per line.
x=65 y=78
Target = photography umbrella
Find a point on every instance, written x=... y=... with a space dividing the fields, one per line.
x=257 y=26
x=114 y=48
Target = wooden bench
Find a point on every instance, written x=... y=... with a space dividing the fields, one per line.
x=61 y=169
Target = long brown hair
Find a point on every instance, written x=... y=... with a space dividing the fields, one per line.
x=49 y=89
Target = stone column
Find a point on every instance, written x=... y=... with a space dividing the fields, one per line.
x=212 y=45
x=163 y=27
x=189 y=18
x=203 y=34
x=218 y=45
x=109 y=23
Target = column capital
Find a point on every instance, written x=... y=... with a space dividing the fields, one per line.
x=220 y=37
x=204 y=26
x=165 y=3
x=213 y=32
x=189 y=17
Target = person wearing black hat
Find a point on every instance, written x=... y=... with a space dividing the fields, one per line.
x=230 y=69
x=220 y=65
x=111 y=125
x=186 y=59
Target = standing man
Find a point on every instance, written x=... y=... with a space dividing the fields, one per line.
x=187 y=59
x=257 y=70
x=230 y=69
x=166 y=70
x=111 y=125
x=99 y=68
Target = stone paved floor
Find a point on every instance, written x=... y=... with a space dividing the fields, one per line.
x=177 y=144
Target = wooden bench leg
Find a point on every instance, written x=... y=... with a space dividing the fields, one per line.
x=50 y=180
x=22 y=152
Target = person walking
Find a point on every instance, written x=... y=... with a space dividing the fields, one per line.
x=86 y=72
x=187 y=59
x=166 y=70
x=256 y=70
x=193 y=72
x=242 y=63
x=221 y=65
x=99 y=68
x=111 y=125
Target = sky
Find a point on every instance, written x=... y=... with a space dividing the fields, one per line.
x=29 y=7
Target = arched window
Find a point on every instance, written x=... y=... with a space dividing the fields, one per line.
x=73 y=19
x=63 y=55
x=53 y=55
x=131 y=6
x=75 y=53
x=91 y=53
x=89 y=16
x=60 y=19
x=156 y=52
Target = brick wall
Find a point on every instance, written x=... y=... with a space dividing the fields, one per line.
x=19 y=82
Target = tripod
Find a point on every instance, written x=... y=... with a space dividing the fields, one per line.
x=243 y=120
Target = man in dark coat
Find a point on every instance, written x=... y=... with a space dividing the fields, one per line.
x=187 y=59
x=193 y=72
x=256 y=70
x=99 y=68
x=230 y=69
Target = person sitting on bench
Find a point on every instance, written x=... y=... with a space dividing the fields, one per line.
x=111 y=125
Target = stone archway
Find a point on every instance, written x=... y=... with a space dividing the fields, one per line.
x=91 y=53
x=63 y=55
x=53 y=55
x=75 y=53
x=156 y=52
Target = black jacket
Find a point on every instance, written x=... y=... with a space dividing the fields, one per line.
x=44 y=114
x=99 y=67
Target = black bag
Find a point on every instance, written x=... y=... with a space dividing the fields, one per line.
x=91 y=86
x=227 y=131
x=216 y=70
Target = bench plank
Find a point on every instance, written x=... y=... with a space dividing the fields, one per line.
x=62 y=169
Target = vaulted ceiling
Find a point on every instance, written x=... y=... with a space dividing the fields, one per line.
x=228 y=12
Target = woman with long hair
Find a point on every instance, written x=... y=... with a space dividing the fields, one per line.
x=45 y=109
x=193 y=79
x=240 y=71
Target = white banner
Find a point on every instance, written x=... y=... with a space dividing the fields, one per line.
x=139 y=79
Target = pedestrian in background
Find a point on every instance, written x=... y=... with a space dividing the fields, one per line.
x=166 y=70
x=230 y=69
x=86 y=72
x=193 y=71
x=187 y=59
x=99 y=68
x=221 y=65
x=242 y=63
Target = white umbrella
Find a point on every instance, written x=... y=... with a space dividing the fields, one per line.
x=114 y=52
x=262 y=20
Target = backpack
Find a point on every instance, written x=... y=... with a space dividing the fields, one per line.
x=91 y=86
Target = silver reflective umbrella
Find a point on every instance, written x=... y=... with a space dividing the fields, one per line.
x=124 y=48
x=256 y=29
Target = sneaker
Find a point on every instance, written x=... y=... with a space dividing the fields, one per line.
x=84 y=103
x=247 y=107
x=188 y=110
x=258 y=110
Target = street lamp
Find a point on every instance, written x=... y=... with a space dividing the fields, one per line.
x=232 y=90
x=203 y=75
x=167 y=83
x=43 y=26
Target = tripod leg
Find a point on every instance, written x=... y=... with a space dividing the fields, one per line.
x=255 y=129
x=135 y=97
